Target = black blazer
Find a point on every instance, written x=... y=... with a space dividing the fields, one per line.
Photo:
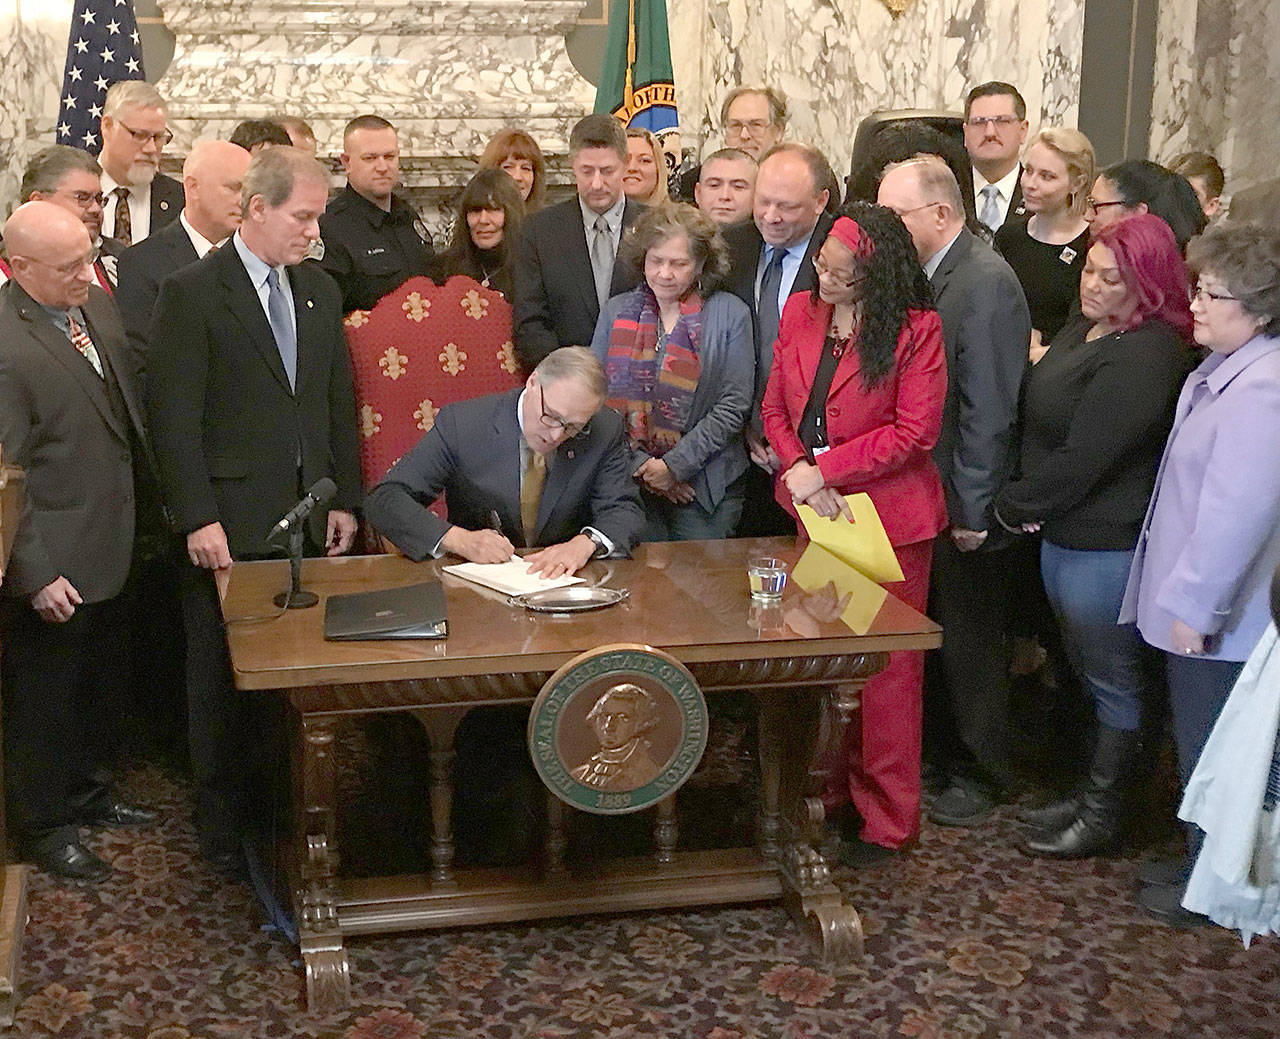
x=555 y=300
x=228 y=431
x=986 y=328
x=472 y=454
x=141 y=269
x=745 y=243
x=167 y=200
x=75 y=434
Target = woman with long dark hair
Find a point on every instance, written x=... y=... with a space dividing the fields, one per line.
x=854 y=403
x=1142 y=186
x=488 y=218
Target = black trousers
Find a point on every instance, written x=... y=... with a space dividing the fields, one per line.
x=967 y=680
x=762 y=516
x=63 y=687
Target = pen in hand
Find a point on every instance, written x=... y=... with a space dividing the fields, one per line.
x=494 y=523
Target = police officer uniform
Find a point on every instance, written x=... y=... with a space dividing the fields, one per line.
x=370 y=251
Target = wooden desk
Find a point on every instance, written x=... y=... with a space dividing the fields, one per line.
x=689 y=599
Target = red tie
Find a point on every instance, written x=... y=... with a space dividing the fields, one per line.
x=81 y=341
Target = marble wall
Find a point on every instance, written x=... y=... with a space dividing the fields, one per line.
x=838 y=60
x=1217 y=85
x=33 y=51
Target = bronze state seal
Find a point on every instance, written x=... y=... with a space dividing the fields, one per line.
x=617 y=729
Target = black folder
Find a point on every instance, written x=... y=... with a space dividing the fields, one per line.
x=413 y=612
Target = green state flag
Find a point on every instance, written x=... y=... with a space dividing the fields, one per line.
x=636 y=83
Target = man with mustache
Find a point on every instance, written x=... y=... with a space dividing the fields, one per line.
x=139 y=198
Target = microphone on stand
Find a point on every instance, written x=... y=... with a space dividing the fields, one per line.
x=321 y=493
x=291 y=526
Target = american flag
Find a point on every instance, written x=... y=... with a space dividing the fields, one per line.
x=102 y=49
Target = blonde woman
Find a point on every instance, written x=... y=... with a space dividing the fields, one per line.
x=1047 y=250
x=645 y=180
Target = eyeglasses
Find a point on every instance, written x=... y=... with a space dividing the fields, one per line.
x=1202 y=294
x=143 y=136
x=822 y=269
x=981 y=122
x=753 y=126
x=1097 y=207
x=84 y=198
x=915 y=209
x=553 y=421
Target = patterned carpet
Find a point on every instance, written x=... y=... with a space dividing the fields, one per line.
x=966 y=938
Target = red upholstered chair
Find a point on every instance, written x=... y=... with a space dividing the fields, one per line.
x=422 y=347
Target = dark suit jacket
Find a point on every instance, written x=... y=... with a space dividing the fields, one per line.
x=141 y=269
x=228 y=431
x=745 y=243
x=555 y=300
x=167 y=200
x=986 y=328
x=472 y=454
x=74 y=433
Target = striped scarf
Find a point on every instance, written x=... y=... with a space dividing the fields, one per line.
x=654 y=401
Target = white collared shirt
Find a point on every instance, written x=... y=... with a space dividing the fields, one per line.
x=1005 y=188
x=199 y=242
x=139 y=207
x=258 y=269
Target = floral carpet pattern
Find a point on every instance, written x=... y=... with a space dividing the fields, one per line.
x=966 y=938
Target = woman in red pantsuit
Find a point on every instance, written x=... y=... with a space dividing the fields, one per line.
x=854 y=403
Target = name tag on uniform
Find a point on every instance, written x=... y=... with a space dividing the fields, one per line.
x=377 y=250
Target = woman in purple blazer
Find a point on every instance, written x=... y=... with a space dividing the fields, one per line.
x=1211 y=540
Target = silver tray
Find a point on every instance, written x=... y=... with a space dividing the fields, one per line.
x=574 y=598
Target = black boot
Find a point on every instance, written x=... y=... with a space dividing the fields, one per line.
x=1054 y=816
x=1098 y=824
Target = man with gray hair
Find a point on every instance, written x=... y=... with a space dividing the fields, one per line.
x=575 y=498
x=753 y=119
x=986 y=328
x=250 y=403
x=139 y=198
x=566 y=258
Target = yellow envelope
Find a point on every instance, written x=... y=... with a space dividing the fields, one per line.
x=861 y=597
x=862 y=544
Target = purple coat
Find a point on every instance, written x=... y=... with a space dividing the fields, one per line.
x=1211 y=539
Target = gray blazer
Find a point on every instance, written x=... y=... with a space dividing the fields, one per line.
x=74 y=434
x=712 y=452
x=986 y=328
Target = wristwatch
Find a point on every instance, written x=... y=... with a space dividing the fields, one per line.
x=597 y=539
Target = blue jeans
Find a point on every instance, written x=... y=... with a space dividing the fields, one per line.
x=1085 y=589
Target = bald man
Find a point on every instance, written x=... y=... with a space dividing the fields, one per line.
x=70 y=416
x=211 y=179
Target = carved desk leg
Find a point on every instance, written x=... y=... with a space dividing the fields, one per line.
x=810 y=731
x=770 y=738
x=441 y=726
x=316 y=895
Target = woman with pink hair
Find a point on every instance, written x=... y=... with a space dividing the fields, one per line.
x=1096 y=412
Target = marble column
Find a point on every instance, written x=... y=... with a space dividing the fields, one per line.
x=839 y=60
x=1217 y=85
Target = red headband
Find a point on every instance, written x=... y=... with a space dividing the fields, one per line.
x=847 y=232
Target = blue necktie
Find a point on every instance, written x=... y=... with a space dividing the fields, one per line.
x=278 y=307
x=767 y=312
